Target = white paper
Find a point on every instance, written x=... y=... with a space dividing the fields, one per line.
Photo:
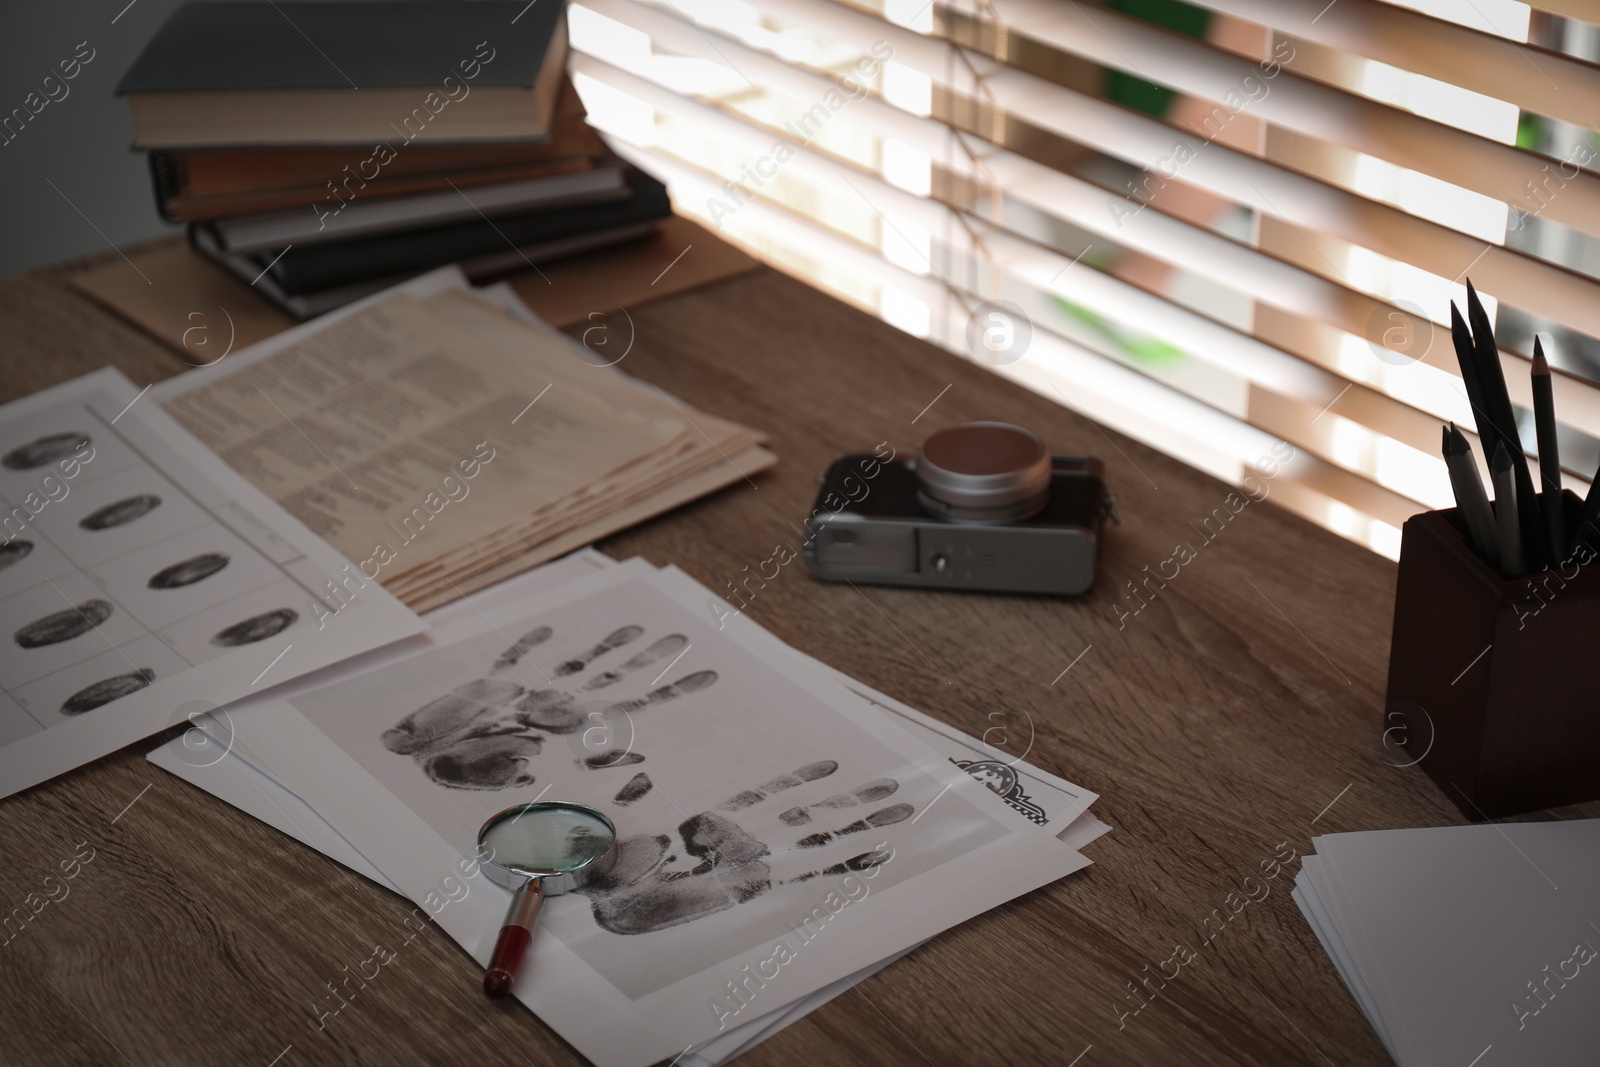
x=210 y=766
x=203 y=762
x=138 y=564
x=638 y=997
x=209 y=762
x=1327 y=930
x=1045 y=799
x=1473 y=941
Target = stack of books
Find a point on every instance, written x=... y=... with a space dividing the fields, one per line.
x=325 y=151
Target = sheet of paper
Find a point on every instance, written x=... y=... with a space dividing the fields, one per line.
x=190 y=303
x=725 y=1047
x=201 y=310
x=141 y=580
x=1044 y=799
x=400 y=438
x=198 y=759
x=1327 y=930
x=681 y=491
x=208 y=765
x=1474 y=941
x=704 y=441
x=646 y=967
x=416 y=527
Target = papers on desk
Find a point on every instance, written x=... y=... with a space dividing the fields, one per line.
x=1466 y=944
x=785 y=830
x=141 y=580
x=444 y=439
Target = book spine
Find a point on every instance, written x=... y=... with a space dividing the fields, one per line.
x=166 y=173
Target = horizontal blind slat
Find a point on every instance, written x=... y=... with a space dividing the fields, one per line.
x=1264 y=90
x=1534 y=78
x=1298 y=425
x=1164 y=237
x=1033 y=127
x=1031 y=103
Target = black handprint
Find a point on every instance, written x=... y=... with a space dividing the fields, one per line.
x=555 y=711
x=486 y=733
x=650 y=888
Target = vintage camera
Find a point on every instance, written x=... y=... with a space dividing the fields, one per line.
x=984 y=506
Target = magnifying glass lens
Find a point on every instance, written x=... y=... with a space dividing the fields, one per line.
x=538 y=850
x=555 y=840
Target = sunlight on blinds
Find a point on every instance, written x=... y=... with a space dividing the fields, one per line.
x=1222 y=235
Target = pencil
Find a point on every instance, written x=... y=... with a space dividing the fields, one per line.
x=1471 y=503
x=1461 y=337
x=1512 y=563
x=1544 y=419
x=1588 y=533
x=1492 y=384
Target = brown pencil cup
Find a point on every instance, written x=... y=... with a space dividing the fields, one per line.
x=1494 y=683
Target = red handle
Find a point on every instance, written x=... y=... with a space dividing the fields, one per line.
x=514 y=938
x=508 y=950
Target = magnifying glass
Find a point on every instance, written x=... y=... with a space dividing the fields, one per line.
x=538 y=850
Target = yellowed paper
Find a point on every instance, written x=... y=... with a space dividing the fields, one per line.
x=399 y=437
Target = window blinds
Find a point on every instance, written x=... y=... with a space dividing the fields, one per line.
x=1226 y=225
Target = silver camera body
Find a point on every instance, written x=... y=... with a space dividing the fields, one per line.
x=983 y=507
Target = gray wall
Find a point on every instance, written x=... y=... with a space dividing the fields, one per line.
x=81 y=142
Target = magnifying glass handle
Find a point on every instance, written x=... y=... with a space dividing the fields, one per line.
x=514 y=938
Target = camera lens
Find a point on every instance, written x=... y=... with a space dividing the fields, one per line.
x=983 y=472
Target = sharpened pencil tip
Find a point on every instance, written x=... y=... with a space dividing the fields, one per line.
x=1540 y=364
x=1477 y=315
x=1501 y=460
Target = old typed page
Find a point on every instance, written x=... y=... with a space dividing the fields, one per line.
x=400 y=438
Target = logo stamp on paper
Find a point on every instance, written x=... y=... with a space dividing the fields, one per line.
x=1002 y=779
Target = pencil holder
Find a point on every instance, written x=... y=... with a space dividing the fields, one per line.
x=1494 y=683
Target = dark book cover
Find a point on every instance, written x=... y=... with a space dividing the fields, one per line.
x=375 y=44
x=339 y=263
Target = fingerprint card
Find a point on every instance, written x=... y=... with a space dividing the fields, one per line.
x=141 y=580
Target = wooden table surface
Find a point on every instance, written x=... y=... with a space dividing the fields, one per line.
x=1224 y=724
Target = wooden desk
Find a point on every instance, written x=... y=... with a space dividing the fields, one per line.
x=1237 y=714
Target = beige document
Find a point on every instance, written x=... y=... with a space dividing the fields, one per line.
x=443 y=442
x=401 y=438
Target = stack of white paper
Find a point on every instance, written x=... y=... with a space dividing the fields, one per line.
x=1466 y=945
x=142 y=579
x=689 y=713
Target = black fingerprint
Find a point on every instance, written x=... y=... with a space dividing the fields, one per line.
x=636 y=788
x=121 y=512
x=864 y=862
x=617 y=757
x=256 y=628
x=42 y=450
x=14 y=552
x=64 y=625
x=106 y=690
x=882 y=817
x=195 y=569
